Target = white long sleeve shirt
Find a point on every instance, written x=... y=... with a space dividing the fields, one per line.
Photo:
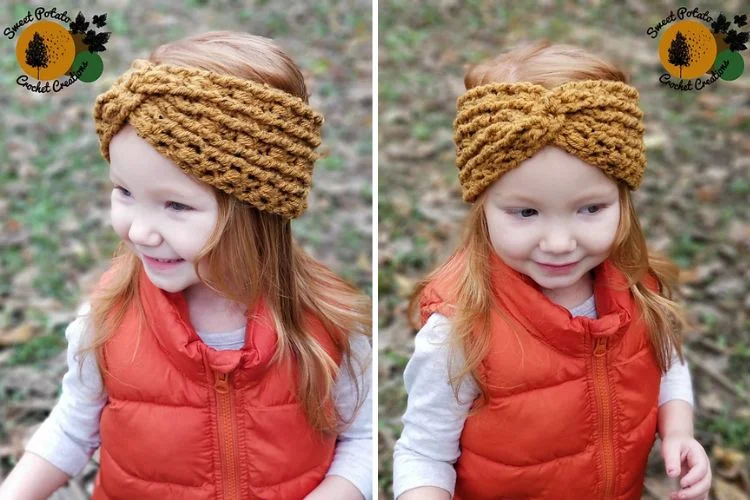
x=70 y=434
x=429 y=444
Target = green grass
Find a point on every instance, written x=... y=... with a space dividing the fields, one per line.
x=333 y=163
x=117 y=23
x=739 y=187
x=38 y=349
x=684 y=250
x=730 y=431
x=396 y=358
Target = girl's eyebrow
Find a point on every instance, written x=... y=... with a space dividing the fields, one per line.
x=520 y=198
x=114 y=177
x=167 y=192
x=515 y=198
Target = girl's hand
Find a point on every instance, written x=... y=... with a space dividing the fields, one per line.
x=685 y=458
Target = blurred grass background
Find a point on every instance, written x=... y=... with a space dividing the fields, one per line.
x=55 y=236
x=693 y=203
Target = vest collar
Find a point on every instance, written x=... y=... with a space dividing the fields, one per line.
x=552 y=323
x=168 y=319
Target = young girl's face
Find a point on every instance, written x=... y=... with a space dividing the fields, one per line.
x=159 y=211
x=553 y=209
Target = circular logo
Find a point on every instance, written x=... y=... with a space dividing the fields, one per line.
x=45 y=50
x=687 y=49
x=94 y=66
x=735 y=65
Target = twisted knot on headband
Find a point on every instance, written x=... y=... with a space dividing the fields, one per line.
x=252 y=141
x=500 y=125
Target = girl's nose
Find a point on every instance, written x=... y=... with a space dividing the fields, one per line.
x=558 y=240
x=142 y=232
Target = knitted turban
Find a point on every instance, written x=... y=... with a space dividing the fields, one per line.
x=500 y=125
x=250 y=140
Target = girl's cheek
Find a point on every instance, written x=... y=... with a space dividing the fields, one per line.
x=514 y=246
x=118 y=219
x=187 y=238
x=196 y=234
x=602 y=237
x=599 y=242
x=509 y=242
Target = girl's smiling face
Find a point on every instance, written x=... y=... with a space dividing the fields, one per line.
x=159 y=211
x=554 y=209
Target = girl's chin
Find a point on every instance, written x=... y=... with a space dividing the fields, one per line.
x=553 y=281
x=168 y=284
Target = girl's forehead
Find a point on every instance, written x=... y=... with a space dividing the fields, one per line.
x=133 y=160
x=552 y=173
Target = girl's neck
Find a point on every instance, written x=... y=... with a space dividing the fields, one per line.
x=573 y=295
x=212 y=313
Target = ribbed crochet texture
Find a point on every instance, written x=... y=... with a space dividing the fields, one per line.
x=250 y=140
x=500 y=125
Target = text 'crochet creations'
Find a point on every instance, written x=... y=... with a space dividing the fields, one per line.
x=500 y=125
x=252 y=141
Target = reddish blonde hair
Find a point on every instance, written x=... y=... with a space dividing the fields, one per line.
x=258 y=243
x=551 y=65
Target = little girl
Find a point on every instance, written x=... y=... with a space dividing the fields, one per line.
x=220 y=360
x=550 y=350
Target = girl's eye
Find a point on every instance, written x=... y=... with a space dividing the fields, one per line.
x=526 y=213
x=523 y=213
x=597 y=209
x=178 y=207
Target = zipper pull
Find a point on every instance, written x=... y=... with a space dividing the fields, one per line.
x=601 y=347
x=221 y=383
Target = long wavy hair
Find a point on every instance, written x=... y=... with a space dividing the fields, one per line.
x=549 y=65
x=258 y=243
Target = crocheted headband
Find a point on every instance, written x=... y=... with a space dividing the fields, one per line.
x=250 y=140
x=499 y=125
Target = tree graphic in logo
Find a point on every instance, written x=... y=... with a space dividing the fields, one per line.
x=679 y=52
x=687 y=49
x=36 y=54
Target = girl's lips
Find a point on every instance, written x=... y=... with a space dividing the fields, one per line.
x=155 y=264
x=558 y=269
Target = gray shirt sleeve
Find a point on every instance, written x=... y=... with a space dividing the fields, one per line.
x=70 y=434
x=428 y=447
x=676 y=383
x=429 y=444
x=353 y=457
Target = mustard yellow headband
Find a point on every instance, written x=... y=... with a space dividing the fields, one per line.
x=500 y=125
x=250 y=140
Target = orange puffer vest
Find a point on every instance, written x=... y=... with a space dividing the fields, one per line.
x=184 y=421
x=572 y=409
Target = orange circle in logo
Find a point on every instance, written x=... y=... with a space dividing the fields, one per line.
x=45 y=50
x=687 y=49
